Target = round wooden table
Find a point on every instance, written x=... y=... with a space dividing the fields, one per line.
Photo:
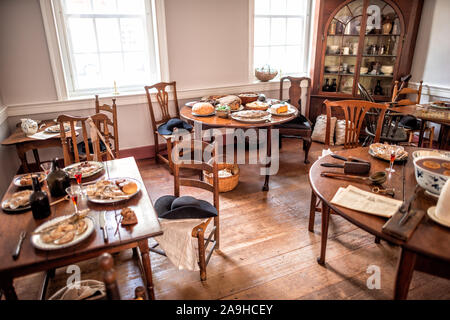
x=428 y=248
x=217 y=122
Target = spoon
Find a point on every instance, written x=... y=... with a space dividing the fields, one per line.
x=378 y=177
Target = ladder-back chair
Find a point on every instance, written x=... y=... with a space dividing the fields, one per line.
x=209 y=167
x=113 y=132
x=70 y=151
x=163 y=115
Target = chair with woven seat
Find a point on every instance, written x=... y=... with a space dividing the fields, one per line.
x=70 y=147
x=300 y=127
x=162 y=96
x=354 y=114
x=411 y=124
x=164 y=204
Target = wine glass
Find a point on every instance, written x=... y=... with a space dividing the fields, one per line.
x=46 y=166
x=391 y=162
x=74 y=192
x=78 y=175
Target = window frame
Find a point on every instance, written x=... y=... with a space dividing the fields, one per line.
x=58 y=45
x=307 y=39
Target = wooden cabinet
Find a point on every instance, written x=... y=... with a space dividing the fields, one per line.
x=367 y=41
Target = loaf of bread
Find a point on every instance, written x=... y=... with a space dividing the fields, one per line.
x=203 y=108
x=234 y=102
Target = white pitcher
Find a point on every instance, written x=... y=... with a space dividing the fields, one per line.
x=29 y=126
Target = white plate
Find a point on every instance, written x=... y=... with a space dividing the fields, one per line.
x=240 y=109
x=108 y=201
x=16 y=180
x=432 y=214
x=56 y=129
x=39 y=244
x=84 y=175
x=291 y=110
x=190 y=104
x=204 y=115
x=249 y=120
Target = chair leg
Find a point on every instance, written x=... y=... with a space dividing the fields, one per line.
x=306 y=146
x=216 y=232
x=156 y=148
x=431 y=137
x=280 y=141
x=202 y=255
x=324 y=236
x=377 y=239
x=169 y=155
x=312 y=211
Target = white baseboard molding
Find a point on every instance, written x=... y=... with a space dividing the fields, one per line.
x=432 y=90
x=131 y=99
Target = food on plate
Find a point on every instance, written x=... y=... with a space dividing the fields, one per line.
x=234 y=102
x=112 y=189
x=86 y=168
x=128 y=217
x=431 y=164
x=26 y=179
x=280 y=108
x=446 y=173
x=56 y=128
x=385 y=150
x=64 y=231
x=251 y=114
x=203 y=108
x=257 y=105
x=66 y=238
x=446 y=165
x=129 y=187
x=18 y=199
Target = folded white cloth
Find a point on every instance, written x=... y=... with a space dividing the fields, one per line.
x=178 y=244
x=42 y=135
x=367 y=202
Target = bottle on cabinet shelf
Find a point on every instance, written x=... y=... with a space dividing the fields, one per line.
x=326 y=87
x=378 y=91
x=333 y=85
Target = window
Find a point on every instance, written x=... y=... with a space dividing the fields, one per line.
x=106 y=41
x=281 y=35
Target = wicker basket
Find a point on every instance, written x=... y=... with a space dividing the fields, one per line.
x=228 y=183
x=247 y=97
x=265 y=75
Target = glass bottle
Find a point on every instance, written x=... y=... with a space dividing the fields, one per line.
x=378 y=91
x=326 y=87
x=57 y=180
x=333 y=86
x=40 y=206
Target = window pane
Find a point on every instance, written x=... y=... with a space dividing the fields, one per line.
x=112 y=68
x=294 y=31
x=133 y=34
x=294 y=58
x=77 y=6
x=278 y=7
x=296 y=7
x=135 y=68
x=131 y=6
x=108 y=34
x=278 y=31
x=262 y=31
x=262 y=6
x=82 y=35
x=261 y=56
x=88 y=71
x=104 y=6
x=277 y=57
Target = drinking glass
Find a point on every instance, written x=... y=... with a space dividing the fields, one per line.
x=74 y=192
x=391 y=162
x=46 y=166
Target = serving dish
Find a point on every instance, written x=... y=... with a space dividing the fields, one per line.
x=291 y=110
x=24 y=180
x=383 y=151
x=111 y=190
x=432 y=173
x=251 y=116
x=18 y=202
x=82 y=229
x=87 y=168
x=56 y=128
x=204 y=115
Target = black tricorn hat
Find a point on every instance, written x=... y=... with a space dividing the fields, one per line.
x=186 y=207
x=167 y=128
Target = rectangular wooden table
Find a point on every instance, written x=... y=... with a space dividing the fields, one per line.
x=426 y=113
x=32 y=260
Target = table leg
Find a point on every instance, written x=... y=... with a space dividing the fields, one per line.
x=324 y=236
x=23 y=158
x=269 y=155
x=6 y=284
x=405 y=271
x=145 y=255
x=36 y=158
x=422 y=128
x=444 y=138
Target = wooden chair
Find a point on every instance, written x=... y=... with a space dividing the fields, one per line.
x=70 y=150
x=199 y=230
x=111 y=111
x=397 y=92
x=354 y=113
x=162 y=97
x=298 y=128
x=106 y=263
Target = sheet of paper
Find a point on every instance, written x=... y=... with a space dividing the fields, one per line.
x=43 y=135
x=367 y=202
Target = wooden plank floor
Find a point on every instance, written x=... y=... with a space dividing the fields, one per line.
x=266 y=249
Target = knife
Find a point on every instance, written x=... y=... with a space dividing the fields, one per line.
x=102 y=222
x=16 y=253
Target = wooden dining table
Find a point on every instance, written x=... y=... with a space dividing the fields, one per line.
x=120 y=237
x=218 y=122
x=428 y=248
x=24 y=143
x=428 y=113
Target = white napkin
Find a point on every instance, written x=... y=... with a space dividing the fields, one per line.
x=42 y=135
x=367 y=202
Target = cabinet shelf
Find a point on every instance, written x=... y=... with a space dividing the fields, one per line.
x=379 y=56
x=376 y=75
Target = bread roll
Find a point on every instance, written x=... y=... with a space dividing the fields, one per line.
x=203 y=108
x=233 y=101
x=129 y=187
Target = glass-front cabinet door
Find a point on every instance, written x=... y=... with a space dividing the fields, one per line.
x=361 y=45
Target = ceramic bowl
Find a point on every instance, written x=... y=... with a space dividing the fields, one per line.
x=430 y=153
x=333 y=49
x=431 y=181
x=387 y=69
x=363 y=70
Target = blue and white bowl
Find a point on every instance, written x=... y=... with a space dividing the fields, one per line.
x=431 y=181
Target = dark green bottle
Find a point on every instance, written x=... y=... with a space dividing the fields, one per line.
x=40 y=206
x=57 y=180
